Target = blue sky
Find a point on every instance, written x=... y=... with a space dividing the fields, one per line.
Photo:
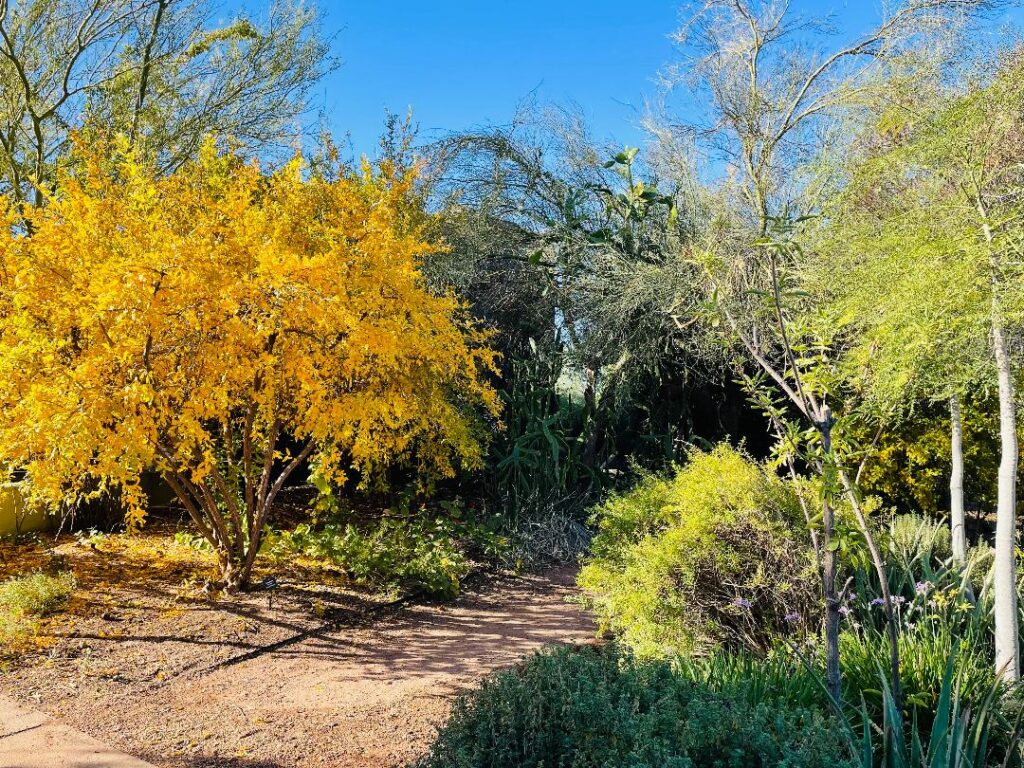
x=461 y=64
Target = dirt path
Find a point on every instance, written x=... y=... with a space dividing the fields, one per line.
x=363 y=696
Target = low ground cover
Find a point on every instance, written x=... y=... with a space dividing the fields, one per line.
x=597 y=707
x=26 y=600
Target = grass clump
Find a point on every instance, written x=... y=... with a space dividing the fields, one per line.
x=26 y=599
x=395 y=553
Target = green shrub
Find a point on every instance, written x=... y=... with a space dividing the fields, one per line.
x=779 y=676
x=914 y=537
x=24 y=600
x=400 y=552
x=959 y=734
x=584 y=707
x=909 y=468
x=917 y=549
x=717 y=554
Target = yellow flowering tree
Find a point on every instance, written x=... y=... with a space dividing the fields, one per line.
x=223 y=326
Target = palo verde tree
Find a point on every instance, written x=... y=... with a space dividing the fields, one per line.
x=164 y=73
x=942 y=204
x=771 y=86
x=223 y=326
x=912 y=319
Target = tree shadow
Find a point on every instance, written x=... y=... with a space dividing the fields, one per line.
x=217 y=761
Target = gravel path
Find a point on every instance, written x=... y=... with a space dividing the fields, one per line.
x=368 y=695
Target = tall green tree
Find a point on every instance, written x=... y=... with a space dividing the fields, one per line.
x=163 y=73
x=908 y=337
x=772 y=86
x=935 y=221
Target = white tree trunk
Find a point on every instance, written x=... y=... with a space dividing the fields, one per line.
x=1004 y=568
x=956 y=483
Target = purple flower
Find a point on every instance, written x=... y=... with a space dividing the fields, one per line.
x=792 y=617
x=896 y=600
x=922 y=587
x=852 y=596
x=742 y=602
x=845 y=610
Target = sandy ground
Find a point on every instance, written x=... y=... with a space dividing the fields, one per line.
x=144 y=671
x=30 y=739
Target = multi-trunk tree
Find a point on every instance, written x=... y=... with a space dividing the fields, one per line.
x=774 y=93
x=225 y=326
x=933 y=220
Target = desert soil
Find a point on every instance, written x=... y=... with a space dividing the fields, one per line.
x=144 y=664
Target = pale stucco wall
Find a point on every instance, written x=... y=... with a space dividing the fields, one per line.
x=15 y=515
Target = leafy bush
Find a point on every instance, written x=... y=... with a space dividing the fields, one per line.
x=914 y=538
x=715 y=555
x=909 y=470
x=26 y=599
x=410 y=552
x=585 y=707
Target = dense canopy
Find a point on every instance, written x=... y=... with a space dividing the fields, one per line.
x=190 y=322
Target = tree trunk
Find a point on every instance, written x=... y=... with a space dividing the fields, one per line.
x=828 y=558
x=956 y=483
x=1004 y=568
x=236 y=575
x=878 y=561
x=591 y=406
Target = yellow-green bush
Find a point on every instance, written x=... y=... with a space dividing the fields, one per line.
x=716 y=554
x=24 y=600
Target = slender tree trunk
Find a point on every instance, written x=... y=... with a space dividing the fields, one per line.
x=828 y=557
x=956 y=483
x=892 y=628
x=828 y=572
x=591 y=406
x=1005 y=566
x=1004 y=569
